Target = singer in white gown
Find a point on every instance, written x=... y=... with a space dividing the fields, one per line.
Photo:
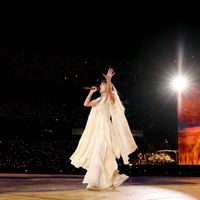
x=107 y=136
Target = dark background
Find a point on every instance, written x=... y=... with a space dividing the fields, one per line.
x=50 y=52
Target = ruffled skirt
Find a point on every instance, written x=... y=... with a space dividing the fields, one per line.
x=102 y=171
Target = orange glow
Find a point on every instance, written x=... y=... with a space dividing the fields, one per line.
x=189 y=131
x=189 y=146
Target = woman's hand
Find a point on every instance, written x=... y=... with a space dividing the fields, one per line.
x=93 y=89
x=88 y=102
x=109 y=74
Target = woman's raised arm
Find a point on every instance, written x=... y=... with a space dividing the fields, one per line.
x=108 y=77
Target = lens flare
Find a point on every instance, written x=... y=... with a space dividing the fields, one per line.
x=179 y=83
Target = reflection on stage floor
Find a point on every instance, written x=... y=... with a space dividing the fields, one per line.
x=70 y=187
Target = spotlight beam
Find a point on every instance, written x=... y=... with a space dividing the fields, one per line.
x=179 y=83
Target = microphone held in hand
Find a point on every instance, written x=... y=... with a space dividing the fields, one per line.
x=91 y=88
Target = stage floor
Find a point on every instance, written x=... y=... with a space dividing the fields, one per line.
x=70 y=187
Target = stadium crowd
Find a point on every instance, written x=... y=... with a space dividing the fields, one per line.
x=36 y=123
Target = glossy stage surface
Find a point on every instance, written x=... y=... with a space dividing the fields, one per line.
x=70 y=187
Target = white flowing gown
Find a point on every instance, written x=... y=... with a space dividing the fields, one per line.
x=106 y=137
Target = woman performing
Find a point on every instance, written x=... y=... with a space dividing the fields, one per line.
x=107 y=136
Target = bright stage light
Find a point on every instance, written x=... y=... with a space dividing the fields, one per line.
x=180 y=83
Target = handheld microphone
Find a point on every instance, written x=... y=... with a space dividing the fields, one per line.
x=91 y=88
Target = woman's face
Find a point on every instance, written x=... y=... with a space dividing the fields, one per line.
x=103 y=87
